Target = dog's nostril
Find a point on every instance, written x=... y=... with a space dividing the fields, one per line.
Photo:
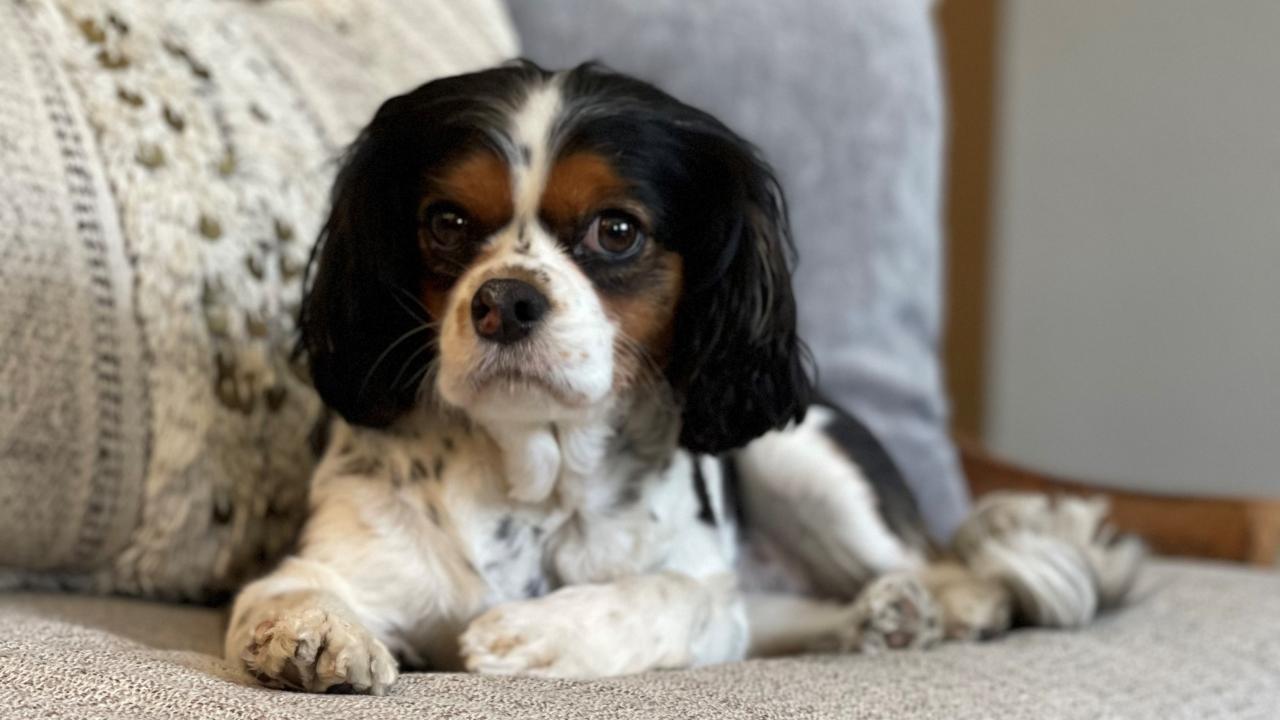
x=479 y=307
x=525 y=312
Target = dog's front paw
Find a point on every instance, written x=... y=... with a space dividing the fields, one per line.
x=521 y=639
x=316 y=650
x=894 y=612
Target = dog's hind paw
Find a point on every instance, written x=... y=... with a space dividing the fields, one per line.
x=894 y=612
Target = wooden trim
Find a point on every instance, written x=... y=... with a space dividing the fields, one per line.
x=970 y=35
x=1240 y=530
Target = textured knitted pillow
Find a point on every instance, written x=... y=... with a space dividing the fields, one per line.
x=844 y=98
x=164 y=167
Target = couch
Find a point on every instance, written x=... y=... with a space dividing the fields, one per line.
x=163 y=167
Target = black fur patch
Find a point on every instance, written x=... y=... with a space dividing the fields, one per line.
x=895 y=501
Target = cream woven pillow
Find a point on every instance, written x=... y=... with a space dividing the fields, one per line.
x=164 y=167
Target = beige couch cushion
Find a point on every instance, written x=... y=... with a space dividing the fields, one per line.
x=164 y=167
x=1201 y=641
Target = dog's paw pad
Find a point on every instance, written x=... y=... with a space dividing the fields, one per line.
x=316 y=651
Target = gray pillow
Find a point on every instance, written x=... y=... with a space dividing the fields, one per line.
x=844 y=98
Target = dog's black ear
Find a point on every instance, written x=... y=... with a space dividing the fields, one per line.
x=363 y=328
x=739 y=364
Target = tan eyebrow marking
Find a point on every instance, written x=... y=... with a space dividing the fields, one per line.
x=577 y=184
x=480 y=183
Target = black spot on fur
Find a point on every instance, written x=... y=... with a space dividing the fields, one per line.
x=536 y=587
x=417 y=470
x=448 y=444
x=505 y=528
x=627 y=496
x=522 y=242
x=437 y=469
x=526 y=155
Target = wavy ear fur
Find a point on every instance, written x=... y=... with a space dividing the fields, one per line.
x=360 y=322
x=742 y=368
x=736 y=361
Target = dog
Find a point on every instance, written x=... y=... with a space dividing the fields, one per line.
x=576 y=434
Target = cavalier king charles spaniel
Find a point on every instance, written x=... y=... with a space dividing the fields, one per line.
x=577 y=435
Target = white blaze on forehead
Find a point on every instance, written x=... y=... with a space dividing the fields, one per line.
x=571 y=350
x=531 y=132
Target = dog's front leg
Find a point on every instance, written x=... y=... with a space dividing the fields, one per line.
x=644 y=622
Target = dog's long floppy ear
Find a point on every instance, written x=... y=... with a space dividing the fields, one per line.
x=363 y=328
x=739 y=363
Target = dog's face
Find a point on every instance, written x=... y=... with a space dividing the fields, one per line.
x=530 y=246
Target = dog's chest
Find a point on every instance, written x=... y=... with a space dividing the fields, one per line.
x=621 y=524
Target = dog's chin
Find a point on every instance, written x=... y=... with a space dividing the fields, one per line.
x=520 y=396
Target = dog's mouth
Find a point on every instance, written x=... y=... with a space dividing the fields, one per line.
x=505 y=377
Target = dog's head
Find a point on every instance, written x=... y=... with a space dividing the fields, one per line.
x=530 y=245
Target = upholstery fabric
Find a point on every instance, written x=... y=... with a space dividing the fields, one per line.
x=1200 y=642
x=844 y=98
x=164 y=167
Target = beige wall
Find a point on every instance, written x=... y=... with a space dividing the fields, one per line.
x=1136 y=307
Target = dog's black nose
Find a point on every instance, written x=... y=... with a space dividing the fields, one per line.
x=506 y=311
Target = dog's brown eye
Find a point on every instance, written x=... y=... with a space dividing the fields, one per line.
x=614 y=235
x=448 y=226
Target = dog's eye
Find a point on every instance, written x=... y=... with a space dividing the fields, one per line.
x=447 y=224
x=614 y=235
